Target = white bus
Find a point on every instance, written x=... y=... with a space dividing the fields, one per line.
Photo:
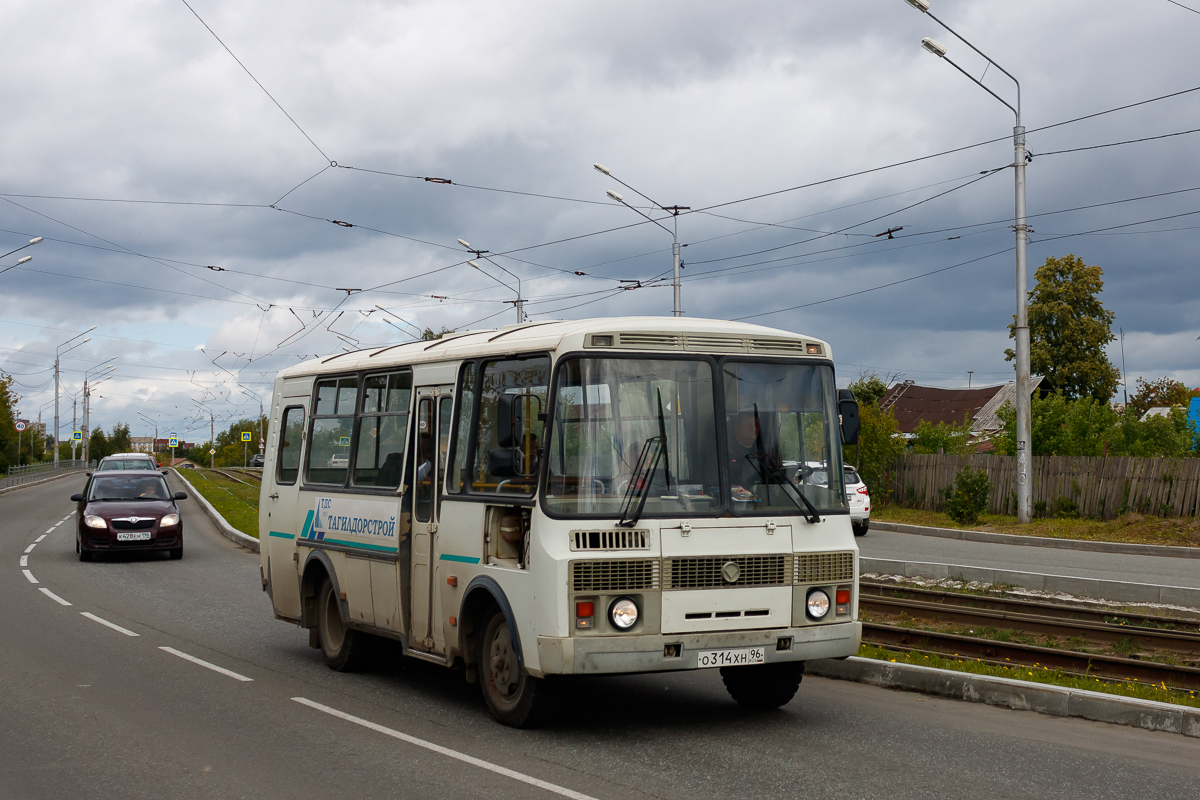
x=602 y=496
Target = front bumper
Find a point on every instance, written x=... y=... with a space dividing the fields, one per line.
x=610 y=655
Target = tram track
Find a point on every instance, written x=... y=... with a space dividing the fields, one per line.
x=903 y=618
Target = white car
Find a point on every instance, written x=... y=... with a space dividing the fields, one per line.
x=859 y=500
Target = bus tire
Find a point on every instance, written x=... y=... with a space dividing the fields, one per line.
x=513 y=696
x=343 y=649
x=763 y=687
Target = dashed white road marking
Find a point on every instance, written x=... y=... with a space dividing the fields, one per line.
x=24 y=561
x=30 y=548
x=38 y=539
x=112 y=625
x=48 y=532
x=206 y=664
x=53 y=596
x=29 y=575
x=477 y=762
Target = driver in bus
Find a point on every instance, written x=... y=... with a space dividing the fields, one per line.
x=748 y=461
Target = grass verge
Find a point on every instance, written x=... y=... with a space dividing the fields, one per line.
x=1053 y=677
x=237 y=502
x=1128 y=528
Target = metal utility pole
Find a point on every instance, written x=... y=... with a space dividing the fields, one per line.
x=57 y=353
x=212 y=438
x=74 y=427
x=1024 y=438
x=1124 y=375
x=676 y=263
x=519 y=303
x=970 y=374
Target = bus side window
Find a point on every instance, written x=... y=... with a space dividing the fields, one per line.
x=333 y=423
x=458 y=470
x=382 y=426
x=288 y=463
x=526 y=379
x=423 y=479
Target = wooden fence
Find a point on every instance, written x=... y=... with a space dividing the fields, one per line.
x=1097 y=487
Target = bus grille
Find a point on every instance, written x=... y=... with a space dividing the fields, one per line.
x=824 y=567
x=618 y=575
x=708 y=572
x=622 y=539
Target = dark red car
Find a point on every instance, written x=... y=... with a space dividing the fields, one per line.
x=127 y=511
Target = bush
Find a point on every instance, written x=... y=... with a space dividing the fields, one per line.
x=969 y=499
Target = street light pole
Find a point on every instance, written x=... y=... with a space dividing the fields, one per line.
x=1024 y=437
x=57 y=353
x=520 y=301
x=676 y=264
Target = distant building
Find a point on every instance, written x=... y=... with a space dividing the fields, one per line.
x=1157 y=411
x=912 y=404
x=142 y=444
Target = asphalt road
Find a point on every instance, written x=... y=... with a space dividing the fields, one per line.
x=87 y=710
x=1162 y=570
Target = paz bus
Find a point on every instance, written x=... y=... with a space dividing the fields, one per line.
x=592 y=497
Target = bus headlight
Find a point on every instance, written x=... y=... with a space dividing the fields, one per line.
x=817 y=604
x=92 y=521
x=623 y=613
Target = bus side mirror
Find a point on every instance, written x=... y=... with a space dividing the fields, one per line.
x=508 y=421
x=504 y=462
x=848 y=411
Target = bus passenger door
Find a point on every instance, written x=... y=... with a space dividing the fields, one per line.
x=280 y=509
x=428 y=465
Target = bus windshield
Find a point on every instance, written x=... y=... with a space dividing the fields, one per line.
x=607 y=412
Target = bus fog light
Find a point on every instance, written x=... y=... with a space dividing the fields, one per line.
x=585 y=613
x=623 y=613
x=817 y=604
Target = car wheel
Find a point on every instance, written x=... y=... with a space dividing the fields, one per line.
x=344 y=650
x=860 y=528
x=763 y=687
x=513 y=696
x=176 y=553
x=85 y=555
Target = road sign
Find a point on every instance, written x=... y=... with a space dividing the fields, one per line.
x=173 y=442
x=20 y=426
x=77 y=436
x=212 y=452
x=246 y=436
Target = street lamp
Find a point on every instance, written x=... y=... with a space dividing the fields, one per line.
x=104 y=366
x=672 y=210
x=1024 y=439
x=519 y=302
x=58 y=352
x=154 y=446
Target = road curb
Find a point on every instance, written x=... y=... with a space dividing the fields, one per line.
x=1095 y=588
x=226 y=530
x=1128 y=549
x=1057 y=701
x=40 y=481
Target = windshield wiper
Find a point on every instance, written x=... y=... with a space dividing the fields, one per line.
x=639 y=484
x=767 y=471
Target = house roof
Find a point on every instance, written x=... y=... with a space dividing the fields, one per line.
x=911 y=403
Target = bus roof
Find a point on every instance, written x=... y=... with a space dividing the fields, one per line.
x=657 y=334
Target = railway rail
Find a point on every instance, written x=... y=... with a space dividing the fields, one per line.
x=1177 y=636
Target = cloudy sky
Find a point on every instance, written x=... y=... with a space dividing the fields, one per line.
x=136 y=144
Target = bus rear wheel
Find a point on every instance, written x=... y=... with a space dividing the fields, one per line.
x=513 y=696
x=763 y=687
x=342 y=648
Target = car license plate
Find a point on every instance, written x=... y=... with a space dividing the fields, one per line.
x=731 y=658
x=136 y=536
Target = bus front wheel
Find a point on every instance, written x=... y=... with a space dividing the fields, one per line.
x=342 y=648
x=763 y=687
x=513 y=696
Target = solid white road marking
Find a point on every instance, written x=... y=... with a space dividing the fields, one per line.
x=30 y=548
x=29 y=575
x=203 y=663
x=112 y=625
x=24 y=561
x=53 y=596
x=477 y=762
x=38 y=539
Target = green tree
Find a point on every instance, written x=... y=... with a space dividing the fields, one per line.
x=8 y=418
x=1068 y=329
x=879 y=445
x=944 y=437
x=1087 y=427
x=98 y=446
x=429 y=334
x=1162 y=392
x=868 y=389
x=120 y=441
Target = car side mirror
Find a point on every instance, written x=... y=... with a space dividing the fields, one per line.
x=508 y=420
x=848 y=411
x=166 y=472
x=88 y=474
x=76 y=498
x=180 y=496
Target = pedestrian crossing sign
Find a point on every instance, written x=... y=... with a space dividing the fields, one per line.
x=246 y=435
x=173 y=442
x=77 y=436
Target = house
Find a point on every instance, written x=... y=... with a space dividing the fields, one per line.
x=911 y=404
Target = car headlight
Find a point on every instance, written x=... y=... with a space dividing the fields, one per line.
x=623 y=613
x=817 y=604
x=168 y=521
x=92 y=521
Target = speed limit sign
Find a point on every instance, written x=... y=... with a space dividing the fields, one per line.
x=20 y=426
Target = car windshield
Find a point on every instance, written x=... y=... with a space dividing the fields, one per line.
x=609 y=414
x=131 y=487
x=127 y=463
x=783 y=437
